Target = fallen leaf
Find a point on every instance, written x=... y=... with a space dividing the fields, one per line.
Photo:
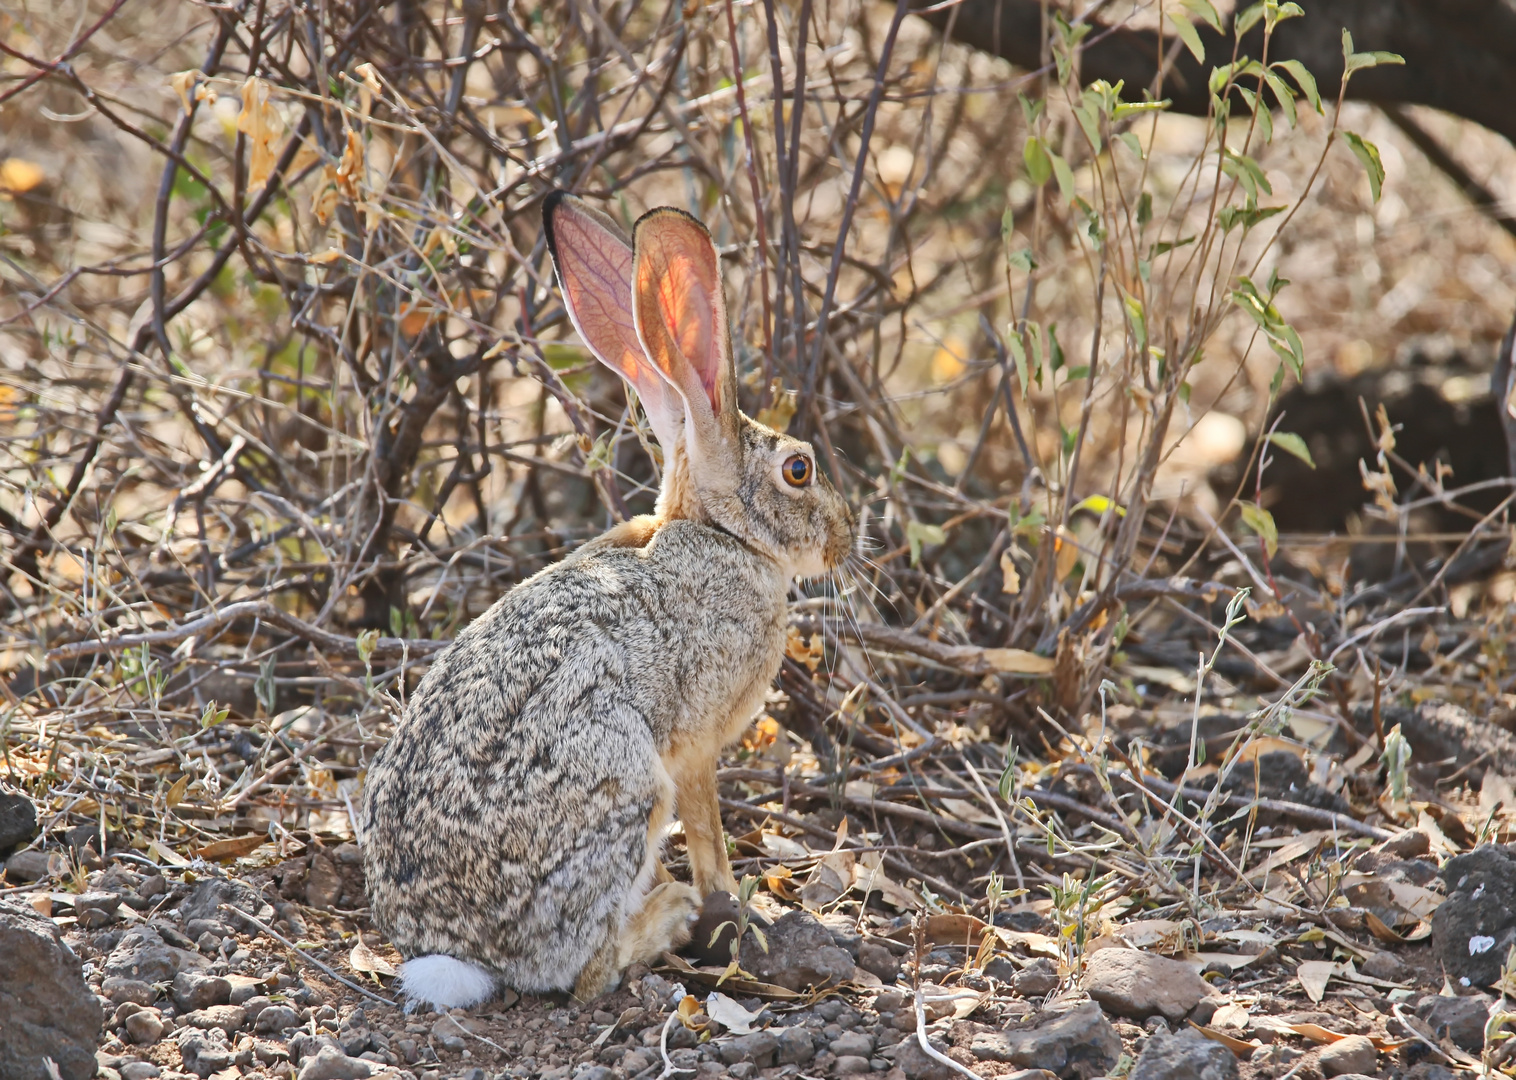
x=1240 y=1047
x=43 y=905
x=1318 y=1034
x=1017 y=662
x=176 y=793
x=829 y=880
x=259 y=121
x=1231 y=1015
x=234 y=848
x=1314 y=975
x=715 y=976
x=729 y=1014
x=366 y=960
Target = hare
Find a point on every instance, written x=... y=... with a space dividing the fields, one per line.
x=512 y=825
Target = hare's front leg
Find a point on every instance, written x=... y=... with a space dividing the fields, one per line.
x=694 y=775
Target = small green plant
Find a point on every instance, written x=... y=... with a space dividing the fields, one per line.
x=742 y=925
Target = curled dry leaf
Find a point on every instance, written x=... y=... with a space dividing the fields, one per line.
x=259 y=121
x=366 y=961
x=234 y=848
x=1010 y=579
x=182 y=81
x=1241 y=1047
x=1314 y=976
x=729 y=1014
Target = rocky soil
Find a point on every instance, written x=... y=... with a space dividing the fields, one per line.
x=182 y=971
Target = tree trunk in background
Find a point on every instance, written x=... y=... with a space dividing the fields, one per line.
x=1460 y=55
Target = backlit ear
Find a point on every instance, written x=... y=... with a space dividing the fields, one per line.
x=594 y=262
x=681 y=313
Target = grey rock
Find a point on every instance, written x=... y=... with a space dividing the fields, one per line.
x=143 y=956
x=844 y=931
x=18 y=820
x=1002 y=968
x=1474 y=928
x=144 y=1027
x=918 y=1065
x=1037 y=979
x=1354 y=1054
x=1187 y=1056
x=595 y=1072
x=197 y=990
x=761 y=1048
x=229 y=1018
x=206 y=898
x=800 y=954
x=851 y=1066
x=1076 y=1043
x=135 y=990
x=355 y=1034
x=1138 y=984
x=330 y=1063
x=323 y=885
x=96 y=909
x=276 y=1018
x=796 y=1047
x=637 y=1060
x=1383 y=965
x=26 y=866
x=48 y=1009
x=204 y=1052
x=253 y=1006
x=853 y=1043
x=303 y=1045
x=877 y=960
x=1460 y=1018
x=139 y=1070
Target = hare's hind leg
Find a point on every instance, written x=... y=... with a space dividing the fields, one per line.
x=662 y=923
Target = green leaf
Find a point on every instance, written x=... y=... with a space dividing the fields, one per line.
x=1035 y=154
x=1099 y=504
x=1144 y=209
x=1022 y=260
x=1007 y=223
x=1303 y=79
x=1065 y=176
x=1124 y=109
x=1018 y=353
x=1090 y=124
x=1031 y=109
x=1283 y=94
x=1261 y=522
x=918 y=534
x=1367 y=153
x=1189 y=35
x=1137 y=320
x=1247 y=19
x=1202 y=9
x=1132 y=143
x=1291 y=443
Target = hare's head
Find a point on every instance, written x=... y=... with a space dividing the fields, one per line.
x=652 y=309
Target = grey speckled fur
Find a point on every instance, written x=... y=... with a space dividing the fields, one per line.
x=513 y=820
x=507 y=819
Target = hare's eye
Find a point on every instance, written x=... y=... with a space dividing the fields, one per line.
x=797 y=470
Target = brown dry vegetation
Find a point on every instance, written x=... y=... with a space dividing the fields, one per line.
x=287 y=396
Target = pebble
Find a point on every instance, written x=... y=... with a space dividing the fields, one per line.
x=28 y=866
x=139 y=1070
x=195 y=990
x=1187 y=1056
x=1460 y=1018
x=761 y=1047
x=273 y=1018
x=329 y=1063
x=229 y=1018
x=851 y=1065
x=1354 y=1054
x=853 y=1044
x=1078 y=1041
x=1138 y=984
x=119 y=990
x=144 y=1027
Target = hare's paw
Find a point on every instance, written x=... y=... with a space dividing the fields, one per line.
x=664 y=923
x=444 y=982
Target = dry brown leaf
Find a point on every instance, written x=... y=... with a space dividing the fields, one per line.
x=234 y=848
x=259 y=121
x=829 y=880
x=176 y=793
x=351 y=165
x=365 y=960
x=1018 y=662
x=715 y=976
x=798 y=648
x=1318 y=1034
x=1066 y=549
x=1241 y=1047
x=1010 y=579
x=182 y=81
x=1314 y=976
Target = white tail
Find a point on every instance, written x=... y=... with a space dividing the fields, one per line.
x=444 y=982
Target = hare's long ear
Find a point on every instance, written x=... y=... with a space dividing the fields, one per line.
x=594 y=262
x=681 y=320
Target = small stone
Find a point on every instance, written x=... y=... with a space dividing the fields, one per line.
x=1138 y=984
x=323 y=885
x=917 y=1064
x=229 y=1018
x=796 y=1047
x=1037 y=979
x=194 y=990
x=142 y=955
x=1187 y=1056
x=853 y=1044
x=253 y=1006
x=1076 y=1043
x=329 y=1063
x=26 y=866
x=48 y=1009
x=144 y=1027
x=134 y=990
x=96 y=909
x=1409 y=844
x=1460 y=1018
x=800 y=954
x=761 y=1047
x=139 y=1070
x=851 y=1066
x=595 y=1072
x=1001 y=968
x=1354 y=1054
x=209 y=943
x=18 y=820
x=204 y=1052
x=274 y=1018
x=1383 y=965
x=878 y=960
